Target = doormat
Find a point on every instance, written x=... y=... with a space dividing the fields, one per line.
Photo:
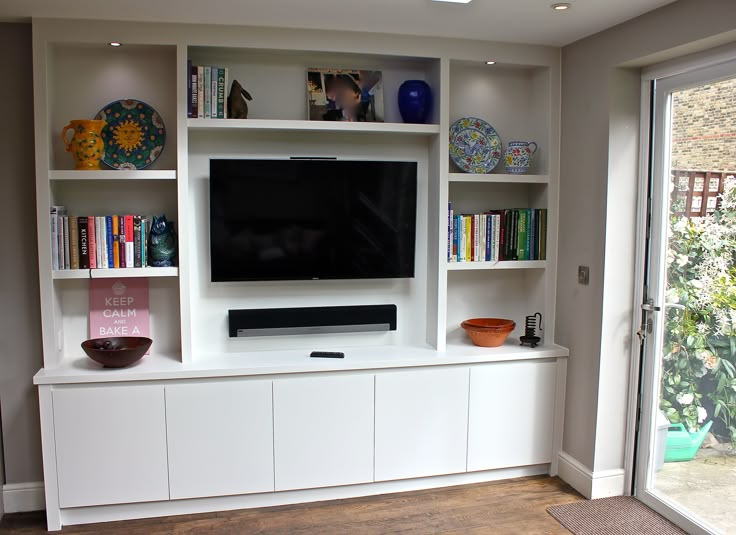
x=620 y=515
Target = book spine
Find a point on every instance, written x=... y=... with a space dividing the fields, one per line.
x=67 y=246
x=83 y=242
x=189 y=88
x=207 y=92
x=532 y=233
x=469 y=238
x=489 y=237
x=449 y=232
x=99 y=240
x=144 y=249
x=92 y=240
x=464 y=239
x=129 y=241
x=200 y=92
x=195 y=91
x=73 y=243
x=137 y=249
x=543 y=236
x=514 y=241
x=496 y=236
x=227 y=84
x=476 y=237
x=456 y=239
x=521 y=241
x=213 y=89
x=109 y=242
x=220 y=93
x=54 y=238
x=115 y=241
x=60 y=230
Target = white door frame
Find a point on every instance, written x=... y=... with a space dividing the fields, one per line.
x=654 y=160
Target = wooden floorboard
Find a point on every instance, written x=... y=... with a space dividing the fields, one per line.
x=512 y=506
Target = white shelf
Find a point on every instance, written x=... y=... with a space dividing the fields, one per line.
x=115 y=273
x=122 y=174
x=498 y=178
x=505 y=264
x=313 y=126
x=165 y=367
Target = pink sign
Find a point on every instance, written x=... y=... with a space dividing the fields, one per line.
x=118 y=307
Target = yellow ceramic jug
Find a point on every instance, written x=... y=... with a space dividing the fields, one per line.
x=86 y=145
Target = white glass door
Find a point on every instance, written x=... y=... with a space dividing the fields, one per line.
x=685 y=462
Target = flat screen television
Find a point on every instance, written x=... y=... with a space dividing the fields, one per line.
x=303 y=219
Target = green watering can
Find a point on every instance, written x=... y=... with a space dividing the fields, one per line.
x=682 y=445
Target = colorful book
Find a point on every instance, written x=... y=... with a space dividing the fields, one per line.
x=73 y=243
x=54 y=220
x=116 y=241
x=207 y=90
x=129 y=241
x=194 y=93
x=67 y=244
x=189 y=88
x=200 y=92
x=83 y=242
x=137 y=242
x=213 y=88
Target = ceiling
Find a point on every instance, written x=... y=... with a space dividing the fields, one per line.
x=516 y=21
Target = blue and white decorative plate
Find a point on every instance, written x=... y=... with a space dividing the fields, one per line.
x=134 y=135
x=474 y=145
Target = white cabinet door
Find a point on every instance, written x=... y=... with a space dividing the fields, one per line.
x=421 y=423
x=323 y=431
x=512 y=409
x=220 y=437
x=110 y=445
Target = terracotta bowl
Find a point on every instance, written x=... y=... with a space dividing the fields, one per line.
x=117 y=352
x=488 y=332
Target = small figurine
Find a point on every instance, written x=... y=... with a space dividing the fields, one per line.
x=163 y=243
x=237 y=107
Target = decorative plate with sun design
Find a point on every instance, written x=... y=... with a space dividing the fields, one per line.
x=134 y=135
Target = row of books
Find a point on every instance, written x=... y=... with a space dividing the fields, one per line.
x=497 y=235
x=206 y=96
x=98 y=242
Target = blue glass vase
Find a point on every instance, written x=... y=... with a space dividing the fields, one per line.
x=415 y=101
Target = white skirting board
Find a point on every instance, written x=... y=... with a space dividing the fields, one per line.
x=23 y=497
x=592 y=485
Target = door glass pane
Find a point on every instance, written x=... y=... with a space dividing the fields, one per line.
x=695 y=462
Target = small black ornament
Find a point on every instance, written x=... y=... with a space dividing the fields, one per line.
x=530 y=330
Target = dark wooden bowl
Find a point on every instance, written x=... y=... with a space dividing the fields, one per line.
x=488 y=332
x=116 y=352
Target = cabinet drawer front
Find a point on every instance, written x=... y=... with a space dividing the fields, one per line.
x=220 y=438
x=110 y=445
x=512 y=413
x=421 y=423
x=323 y=431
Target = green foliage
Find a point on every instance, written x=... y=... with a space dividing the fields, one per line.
x=699 y=355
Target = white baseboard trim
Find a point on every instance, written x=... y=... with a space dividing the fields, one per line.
x=592 y=485
x=23 y=497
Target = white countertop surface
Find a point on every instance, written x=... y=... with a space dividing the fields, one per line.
x=167 y=367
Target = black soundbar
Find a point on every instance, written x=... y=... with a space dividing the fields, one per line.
x=311 y=320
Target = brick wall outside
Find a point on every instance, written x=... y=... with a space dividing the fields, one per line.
x=704 y=128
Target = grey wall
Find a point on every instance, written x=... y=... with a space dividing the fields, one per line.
x=600 y=101
x=20 y=322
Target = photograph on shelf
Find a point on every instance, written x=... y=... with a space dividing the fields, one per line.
x=345 y=95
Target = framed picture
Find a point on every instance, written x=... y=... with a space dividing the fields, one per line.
x=345 y=95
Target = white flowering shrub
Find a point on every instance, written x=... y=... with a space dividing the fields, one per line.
x=699 y=379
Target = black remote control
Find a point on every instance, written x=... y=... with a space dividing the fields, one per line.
x=328 y=354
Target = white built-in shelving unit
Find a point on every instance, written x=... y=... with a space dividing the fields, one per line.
x=76 y=73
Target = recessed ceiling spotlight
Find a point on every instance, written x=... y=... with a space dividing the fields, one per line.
x=490 y=62
x=561 y=6
x=115 y=43
x=454 y=1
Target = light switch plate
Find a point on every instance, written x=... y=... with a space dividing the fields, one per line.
x=583 y=275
